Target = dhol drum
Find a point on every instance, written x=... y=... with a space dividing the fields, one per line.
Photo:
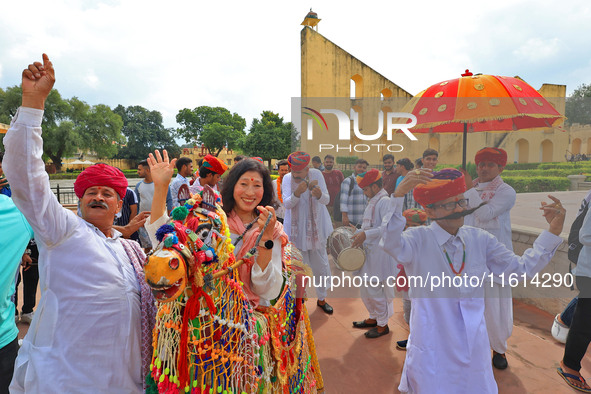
x=345 y=257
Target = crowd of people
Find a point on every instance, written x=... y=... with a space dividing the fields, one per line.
x=92 y=330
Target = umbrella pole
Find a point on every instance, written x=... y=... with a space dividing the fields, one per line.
x=464 y=146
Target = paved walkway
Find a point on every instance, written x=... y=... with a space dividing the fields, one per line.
x=351 y=363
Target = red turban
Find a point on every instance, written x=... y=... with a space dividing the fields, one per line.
x=415 y=215
x=101 y=175
x=298 y=160
x=259 y=159
x=495 y=155
x=368 y=177
x=214 y=164
x=446 y=183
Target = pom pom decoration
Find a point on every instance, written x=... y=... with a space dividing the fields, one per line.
x=208 y=337
x=180 y=213
x=163 y=230
x=170 y=240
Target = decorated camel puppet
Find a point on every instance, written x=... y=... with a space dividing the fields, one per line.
x=207 y=337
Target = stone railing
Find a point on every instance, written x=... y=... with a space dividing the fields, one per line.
x=547 y=294
x=577 y=182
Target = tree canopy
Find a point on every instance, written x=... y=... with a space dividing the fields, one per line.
x=214 y=127
x=144 y=132
x=269 y=137
x=578 y=105
x=70 y=125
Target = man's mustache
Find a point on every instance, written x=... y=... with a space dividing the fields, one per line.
x=94 y=204
x=457 y=215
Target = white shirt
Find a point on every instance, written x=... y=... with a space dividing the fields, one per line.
x=298 y=209
x=495 y=216
x=85 y=335
x=264 y=283
x=448 y=348
x=377 y=261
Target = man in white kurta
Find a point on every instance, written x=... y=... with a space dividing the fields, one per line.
x=86 y=335
x=448 y=349
x=375 y=293
x=495 y=218
x=307 y=221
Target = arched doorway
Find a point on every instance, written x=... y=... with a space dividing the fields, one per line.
x=522 y=151
x=576 y=148
x=546 y=151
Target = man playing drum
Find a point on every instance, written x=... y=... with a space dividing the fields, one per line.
x=448 y=348
x=376 y=295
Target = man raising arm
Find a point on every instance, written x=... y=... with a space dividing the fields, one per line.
x=92 y=329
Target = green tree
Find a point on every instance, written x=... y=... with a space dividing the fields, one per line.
x=214 y=127
x=70 y=125
x=145 y=133
x=578 y=105
x=269 y=137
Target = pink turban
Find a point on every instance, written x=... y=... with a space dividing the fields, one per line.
x=495 y=155
x=101 y=175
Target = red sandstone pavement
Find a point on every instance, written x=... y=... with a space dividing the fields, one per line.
x=351 y=363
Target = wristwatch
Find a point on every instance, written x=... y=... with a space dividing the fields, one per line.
x=266 y=244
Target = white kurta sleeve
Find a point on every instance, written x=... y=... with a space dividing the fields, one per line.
x=374 y=234
x=151 y=228
x=31 y=191
x=501 y=260
x=502 y=202
x=398 y=244
x=267 y=284
x=325 y=198
x=289 y=199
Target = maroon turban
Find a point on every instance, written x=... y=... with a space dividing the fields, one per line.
x=101 y=175
x=494 y=155
x=298 y=160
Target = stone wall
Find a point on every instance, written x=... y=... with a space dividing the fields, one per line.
x=552 y=299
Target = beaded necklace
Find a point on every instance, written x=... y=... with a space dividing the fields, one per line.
x=247 y=227
x=463 y=260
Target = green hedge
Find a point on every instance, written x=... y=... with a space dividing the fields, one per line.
x=346 y=159
x=556 y=172
x=523 y=184
x=74 y=175
x=521 y=166
x=586 y=165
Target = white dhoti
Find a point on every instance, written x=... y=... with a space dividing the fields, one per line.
x=378 y=302
x=318 y=261
x=498 y=313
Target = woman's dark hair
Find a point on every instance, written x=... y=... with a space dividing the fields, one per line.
x=234 y=175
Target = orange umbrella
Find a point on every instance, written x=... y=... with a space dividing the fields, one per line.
x=481 y=103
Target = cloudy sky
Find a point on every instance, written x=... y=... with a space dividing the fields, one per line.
x=245 y=56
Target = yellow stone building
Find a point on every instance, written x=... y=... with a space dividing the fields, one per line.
x=333 y=78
